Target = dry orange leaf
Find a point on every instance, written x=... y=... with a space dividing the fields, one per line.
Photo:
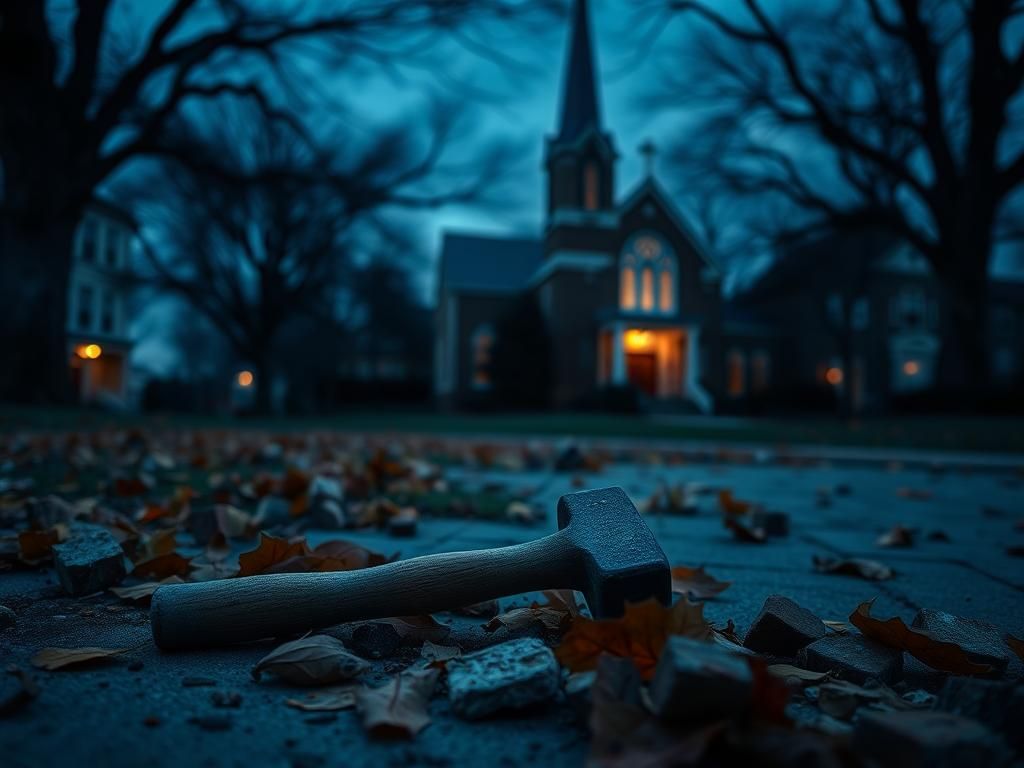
x=731 y=505
x=36 y=546
x=270 y=552
x=937 y=654
x=639 y=635
x=163 y=567
x=56 y=658
x=399 y=708
x=696 y=582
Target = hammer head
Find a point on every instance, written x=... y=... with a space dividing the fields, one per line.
x=622 y=561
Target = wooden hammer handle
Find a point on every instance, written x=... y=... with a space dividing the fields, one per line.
x=216 y=613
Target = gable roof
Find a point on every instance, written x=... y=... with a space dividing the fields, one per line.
x=489 y=264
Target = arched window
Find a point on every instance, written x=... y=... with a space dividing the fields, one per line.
x=591 y=187
x=655 y=291
x=482 y=347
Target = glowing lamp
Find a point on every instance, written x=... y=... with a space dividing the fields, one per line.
x=637 y=339
x=245 y=378
x=911 y=368
x=89 y=351
x=834 y=376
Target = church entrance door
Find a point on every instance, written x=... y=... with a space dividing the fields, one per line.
x=642 y=370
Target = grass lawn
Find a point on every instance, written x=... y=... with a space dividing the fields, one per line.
x=935 y=433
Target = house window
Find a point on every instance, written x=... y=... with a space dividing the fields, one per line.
x=107 y=313
x=482 y=344
x=591 y=187
x=655 y=291
x=85 y=300
x=736 y=373
x=760 y=371
x=89 y=241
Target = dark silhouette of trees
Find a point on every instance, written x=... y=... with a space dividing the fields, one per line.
x=78 y=101
x=898 y=116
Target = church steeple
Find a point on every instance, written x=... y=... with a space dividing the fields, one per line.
x=580 y=158
x=580 y=108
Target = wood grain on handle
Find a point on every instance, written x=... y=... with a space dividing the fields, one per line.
x=216 y=613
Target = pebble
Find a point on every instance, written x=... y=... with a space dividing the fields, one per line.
x=90 y=561
x=854 y=658
x=982 y=641
x=925 y=740
x=697 y=681
x=7 y=617
x=512 y=675
x=782 y=628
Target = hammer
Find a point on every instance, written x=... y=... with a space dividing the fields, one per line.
x=603 y=548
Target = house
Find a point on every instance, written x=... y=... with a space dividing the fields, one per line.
x=628 y=295
x=97 y=329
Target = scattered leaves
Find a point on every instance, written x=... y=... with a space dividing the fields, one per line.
x=697 y=583
x=313 y=660
x=731 y=505
x=639 y=635
x=326 y=700
x=35 y=547
x=276 y=555
x=58 y=658
x=937 y=654
x=142 y=593
x=399 y=708
x=872 y=570
x=163 y=567
x=270 y=551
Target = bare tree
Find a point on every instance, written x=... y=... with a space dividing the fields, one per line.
x=78 y=102
x=899 y=116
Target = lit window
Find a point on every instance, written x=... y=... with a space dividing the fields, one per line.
x=647 y=289
x=627 y=297
x=483 y=346
x=666 y=294
x=737 y=374
x=591 y=187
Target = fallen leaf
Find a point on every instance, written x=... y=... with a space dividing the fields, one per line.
x=789 y=672
x=57 y=658
x=563 y=600
x=439 y=655
x=839 y=627
x=141 y=593
x=269 y=552
x=872 y=570
x=37 y=546
x=697 y=583
x=398 y=709
x=731 y=505
x=161 y=542
x=1016 y=645
x=937 y=654
x=163 y=567
x=313 y=660
x=639 y=635
x=327 y=700
x=745 y=534
x=550 y=618
x=232 y=522
x=897 y=536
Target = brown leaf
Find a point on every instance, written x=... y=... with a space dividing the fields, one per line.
x=697 y=583
x=639 y=635
x=142 y=593
x=57 y=658
x=742 y=533
x=937 y=654
x=731 y=505
x=897 y=536
x=232 y=522
x=161 y=542
x=327 y=700
x=519 y=618
x=399 y=708
x=163 y=567
x=872 y=570
x=37 y=546
x=1016 y=645
x=313 y=660
x=269 y=552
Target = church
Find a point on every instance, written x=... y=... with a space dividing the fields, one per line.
x=628 y=296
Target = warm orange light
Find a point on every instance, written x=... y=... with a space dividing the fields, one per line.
x=637 y=339
x=89 y=351
x=834 y=376
x=911 y=368
x=245 y=378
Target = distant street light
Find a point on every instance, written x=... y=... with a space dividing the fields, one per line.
x=911 y=368
x=834 y=376
x=89 y=351
x=245 y=378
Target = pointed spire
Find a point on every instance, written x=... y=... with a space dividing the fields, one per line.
x=580 y=110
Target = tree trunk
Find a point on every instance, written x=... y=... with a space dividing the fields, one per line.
x=264 y=404
x=35 y=265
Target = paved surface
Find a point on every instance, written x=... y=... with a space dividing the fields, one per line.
x=95 y=716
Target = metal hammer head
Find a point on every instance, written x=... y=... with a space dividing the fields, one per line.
x=622 y=561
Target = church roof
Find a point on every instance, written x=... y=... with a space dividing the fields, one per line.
x=580 y=109
x=489 y=264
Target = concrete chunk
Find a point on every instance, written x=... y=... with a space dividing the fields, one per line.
x=782 y=628
x=925 y=740
x=512 y=675
x=90 y=561
x=982 y=641
x=697 y=681
x=853 y=658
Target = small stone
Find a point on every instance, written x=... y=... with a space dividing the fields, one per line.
x=697 y=681
x=772 y=523
x=90 y=561
x=853 y=658
x=7 y=617
x=403 y=525
x=511 y=675
x=273 y=510
x=998 y=704
x=375 y=640
x=982 y=641
x=925 y=740
x=327 y=514
x=782 y=628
